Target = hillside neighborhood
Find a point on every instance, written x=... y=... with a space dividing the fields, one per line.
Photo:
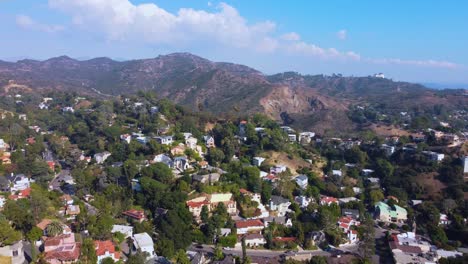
x=137 y=179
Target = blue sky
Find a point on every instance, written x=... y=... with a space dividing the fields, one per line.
x=423 y=41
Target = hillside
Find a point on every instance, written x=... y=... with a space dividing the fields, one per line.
x=310 y=101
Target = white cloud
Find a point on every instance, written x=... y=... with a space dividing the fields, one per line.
x=291 y=36
x=27 y=22
x=342 y=34
x=422 y=63
x=224 y=27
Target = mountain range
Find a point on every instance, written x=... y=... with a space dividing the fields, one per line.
x=311 y=101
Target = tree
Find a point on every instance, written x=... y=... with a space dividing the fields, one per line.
x=8 y=236
x=318 y=260
x=54 y=229
x=204 y=214
x=34 y=234
x=181 y=257
x=137 y=258
x=215 y=156
x=88 y=252
x=166 y=247
x=376 y=196
x=367 y=248
x=108 y=260
x=218 y=253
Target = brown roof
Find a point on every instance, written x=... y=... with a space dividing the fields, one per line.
x=65 y=253
x=44 y=223
x=249 y=223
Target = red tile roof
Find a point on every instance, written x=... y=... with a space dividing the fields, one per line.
x=65 y=253
x=106 y=246
x=133 y=213
x=197 y=204
x=249 y=223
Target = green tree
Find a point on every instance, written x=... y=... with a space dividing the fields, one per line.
x=88 y=252
x=318 y=260
x=8 y=236
x=53 y=229
x=181 y=257
x=376 y=196
x=108 y=260
x=34 y=234
x=204 y=214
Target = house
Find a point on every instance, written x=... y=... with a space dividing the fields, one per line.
x=12 y=253
x=3 y=145
x=72 y=211
x=207 y=178
x=68 y=109
x=444 y=220
x=327 y=200
x=142 y=140
x=181 y=163
x=303 y=201
x=163 y=158
x=465 y=164
x=43 y=106
x=126 y=138
x=254 y=240
x=257 y=161
x=154 y=110
x=22 y=117
x=434 y=156
x=2 y=201
x=292 y=137
x=164 y=140
x=373 y=182
x=253 y=196
x=249 y=226
x=337 y=173
x=353 y=213
x=280 y=220
x=211 y=201
x=106 y=249
x=389 y=150
x=19 y=182
x=178 y=150
x=45 y=222
x=101 y=157
x=279 y=204
x=344 y=224
x=62 y=249
x=302 y=181
x=278 y=169
x=135 y=215
x=127 y=231
x=26 y=193
x=306 y=137
x=367 y=172
x=66 y=200
x=410 y=248
x=386 y=213
x=142 y=242
x=209 y=141
x=191 y=143
x=5 y=157
x=346 y=200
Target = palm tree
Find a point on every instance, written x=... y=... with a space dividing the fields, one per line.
x=55 y=228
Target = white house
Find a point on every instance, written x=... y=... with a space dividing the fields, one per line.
x=181 y=163
x=43 y=106
x=126 y=137
x=302 y=181
x=101 y=157
x=389 y=150
x=2 y=201
x=144 y=243
x=278 y=169
x=127 y=231
x=248 y=226
x=254 y=240
x=68 y=109
x=367 y=172
x=13 y=253
x=434 y=156
x=209 y=141
x=306 y=137
x=2 y=145
x=279 y=204
x=337 y=173
x=19 y=182
x=165 y=140
x=257 y=161
x=191 y=143
x=106 y=249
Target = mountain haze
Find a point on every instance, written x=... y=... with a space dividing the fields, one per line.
x=309 y=100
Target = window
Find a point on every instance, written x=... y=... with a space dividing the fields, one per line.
x=15 y=253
